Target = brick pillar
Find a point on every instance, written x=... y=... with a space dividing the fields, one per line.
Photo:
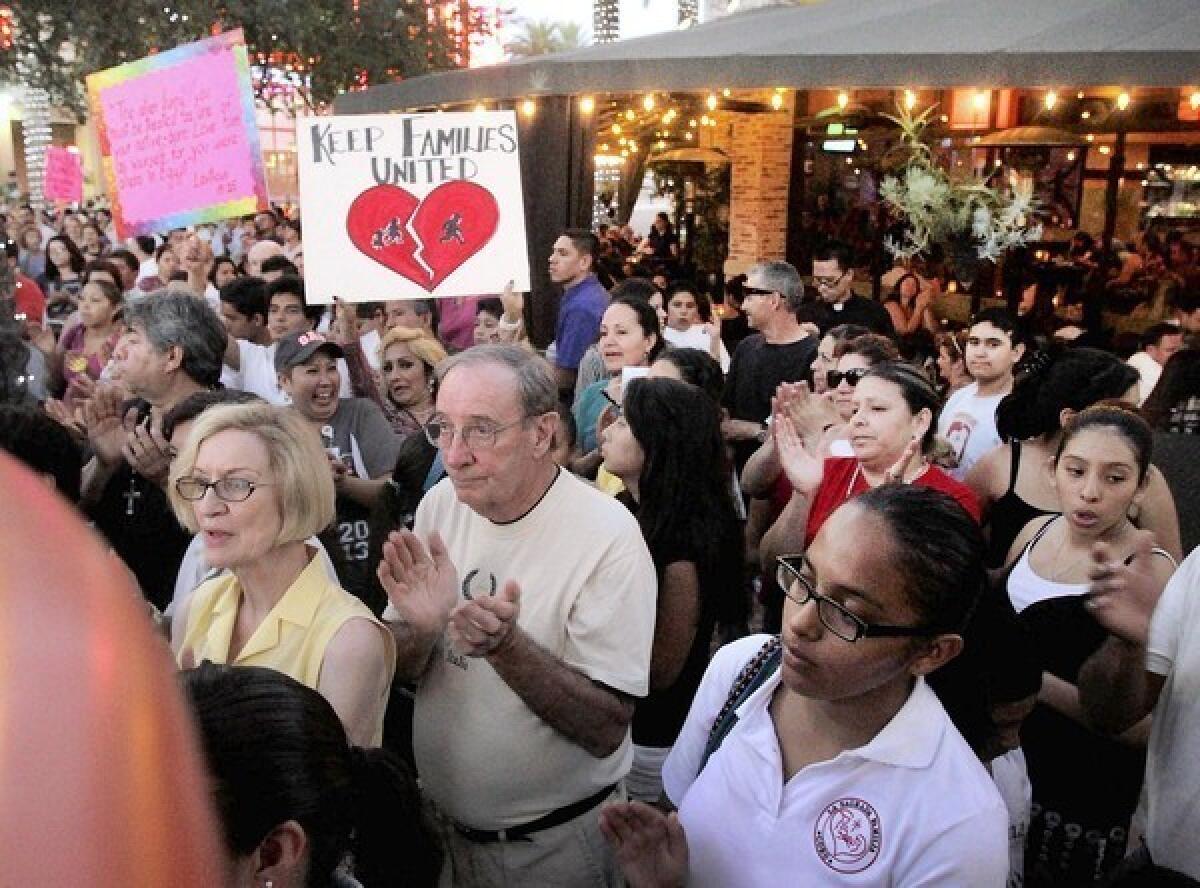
x=761 y=148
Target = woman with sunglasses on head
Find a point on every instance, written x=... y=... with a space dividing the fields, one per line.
x=822 y=757
x=1012 y=483
x=1085 y=786
x=252 y=480
x=666 y=448
x=891 y=433
x=951 y=363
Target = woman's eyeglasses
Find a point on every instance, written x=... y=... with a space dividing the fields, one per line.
x=834 y=377
x=832 y=614
x=229 y=490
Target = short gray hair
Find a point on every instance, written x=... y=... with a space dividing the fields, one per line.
x=535 y=380
x=170 y=318
x=781 y=278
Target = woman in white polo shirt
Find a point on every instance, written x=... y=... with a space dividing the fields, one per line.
x=840 y=766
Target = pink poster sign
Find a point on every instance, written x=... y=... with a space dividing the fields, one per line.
x=64 y=175
x=178 y=137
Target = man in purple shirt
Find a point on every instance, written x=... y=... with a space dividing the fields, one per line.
x=583 y=303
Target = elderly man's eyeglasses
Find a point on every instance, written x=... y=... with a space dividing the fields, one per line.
x=478 y=436
x=832 y=614
x=756 y=291
x=229 y=490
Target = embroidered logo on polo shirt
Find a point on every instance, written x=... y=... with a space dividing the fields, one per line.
x=848 y=836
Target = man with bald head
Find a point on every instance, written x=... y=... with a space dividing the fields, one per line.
x=523 y=605
x=260 y=252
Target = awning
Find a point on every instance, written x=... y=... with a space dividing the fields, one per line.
x=932 y=44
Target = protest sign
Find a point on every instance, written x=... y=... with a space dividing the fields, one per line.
x=178 y=138
x=63 y=178
x=401 y=206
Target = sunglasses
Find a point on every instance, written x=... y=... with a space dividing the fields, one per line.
x=834 y=377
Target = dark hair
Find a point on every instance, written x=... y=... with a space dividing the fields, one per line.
x=111 y=291
x=102 y=265
x=1180 y=380
x=895 y=294
x=875 y=348
x=698 y=368
x=292 y=284
x=1072 y=379
x=1153 y=337
x=937 y=547
x=145 y=243
x=276 y=751
x=131 y=261
x=217 y=263
x=916 y=389
x=635 y=288
x=490 y=305
x=29 y=434
x=647 y=319
x=174 y=317
x=197 y=402
x=836 y=250
x=279 y=263
x=584 y=241
x=703 y=303
x=842 y=334
x=76 y=259
x=1122 y=420
x=248 y=296
x=1186 y=299
x=1002 y=320
x=685 y=498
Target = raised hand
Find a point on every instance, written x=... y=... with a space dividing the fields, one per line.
x=801 y=461
x=70 y=419
x=650 y=846
x=900 y=466
x=1122 y=597
x=811 y=414
x=482 y=626
x=421 y=582
x=513 y=302
x=106 y=424
x=345 y=322
x=147 y=450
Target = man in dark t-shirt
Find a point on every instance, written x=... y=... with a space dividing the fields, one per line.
x=781 y=351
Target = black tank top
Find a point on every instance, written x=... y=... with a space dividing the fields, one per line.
x=1009 y=514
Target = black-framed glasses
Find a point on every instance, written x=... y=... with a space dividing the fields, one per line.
x=828 y=282
x=832 y=614
x=756 y=291
x=229 y=490
x=440 y=433
x=852 y=376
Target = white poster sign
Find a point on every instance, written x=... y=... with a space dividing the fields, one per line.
x=404 y=206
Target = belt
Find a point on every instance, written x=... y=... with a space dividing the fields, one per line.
x=557 y=817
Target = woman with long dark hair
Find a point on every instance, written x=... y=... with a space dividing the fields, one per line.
x=63 y=278
x=666 y=447
x=294 y=798
x=1011 y=482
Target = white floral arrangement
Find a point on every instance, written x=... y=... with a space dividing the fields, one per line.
x=960 y=215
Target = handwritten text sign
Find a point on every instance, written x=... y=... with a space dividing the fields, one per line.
x=402 y=206
x=64 y=176
x=178 y=137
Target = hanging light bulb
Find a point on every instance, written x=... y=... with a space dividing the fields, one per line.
x=843 y=100
x=629 y=115
x=529 y=107
x=910 y=99
x=980 y=100
x=1051 y=100
x=616 y=129
x=648 y=102
x=711 y=102
x=1122 y=101
x=1195 y=100
x=776 y=101
x=587 y=104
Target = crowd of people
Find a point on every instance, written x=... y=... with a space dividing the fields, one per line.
x=787 y=586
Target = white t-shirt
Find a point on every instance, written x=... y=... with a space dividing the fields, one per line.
x=1149 y=370
x=695 y=337
x=912 y=807
x=1172 y=779
x=258 y=375
x=968 y=422
x=588 y=592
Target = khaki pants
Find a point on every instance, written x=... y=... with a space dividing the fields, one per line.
x=572 y=855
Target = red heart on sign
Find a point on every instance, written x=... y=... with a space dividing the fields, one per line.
x=449 y=226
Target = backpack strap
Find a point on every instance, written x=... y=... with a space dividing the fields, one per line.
x=754 y=674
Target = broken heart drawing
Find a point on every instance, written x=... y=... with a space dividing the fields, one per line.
x=425 y=240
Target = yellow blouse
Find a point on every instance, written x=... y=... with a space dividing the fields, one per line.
x=291 y=639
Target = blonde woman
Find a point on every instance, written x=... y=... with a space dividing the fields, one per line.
x=250 y=480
